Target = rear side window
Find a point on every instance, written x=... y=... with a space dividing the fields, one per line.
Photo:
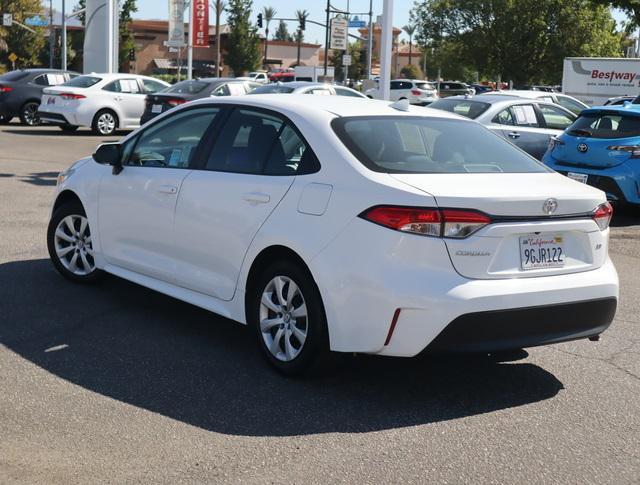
x=525 y=115
x=272 y=89
x=403 y=144
x=83 y=81
x=606 y=125
x=464 y=107
x=426 y=86
x=172 y=142
x=123 y=86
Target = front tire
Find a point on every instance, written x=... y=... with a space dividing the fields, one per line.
x=286 y=311
x=105 y=122
x=70 y=245
x=29 y=114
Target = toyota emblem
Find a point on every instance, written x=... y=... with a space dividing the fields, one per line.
x=549 y=206
x=582 y=147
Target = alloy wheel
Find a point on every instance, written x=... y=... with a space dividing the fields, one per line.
x=283 y=318
x=73 y=246
x=30 y=114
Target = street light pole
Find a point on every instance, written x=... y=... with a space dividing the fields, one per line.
x=326 y=40
x=64 y=36
x=52 y=34
x=385 y=52
x=370 y=43
x=190 y=42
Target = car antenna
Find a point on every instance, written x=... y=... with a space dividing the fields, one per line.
x=400 y=105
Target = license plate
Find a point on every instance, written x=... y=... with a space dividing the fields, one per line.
x=578 y=177
x=541 y=251
x=156 y=108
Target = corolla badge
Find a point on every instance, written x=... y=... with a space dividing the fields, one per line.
x=550 y=206
x=582 y=147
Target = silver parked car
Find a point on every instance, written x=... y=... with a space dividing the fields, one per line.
x=527 y=123
x=306 y=87
x=572 y=104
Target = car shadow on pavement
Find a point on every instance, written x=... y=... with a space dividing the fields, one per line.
x=151 y=351
x=625 y=216
x=59 y=133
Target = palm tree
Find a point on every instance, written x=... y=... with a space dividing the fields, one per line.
x=219 y=8
x=268 y=13
x=301 y=15
x=410 y=30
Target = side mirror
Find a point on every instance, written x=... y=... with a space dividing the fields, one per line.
x=110 y=154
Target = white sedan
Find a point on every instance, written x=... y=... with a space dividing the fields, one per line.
x=329 y=224
x=416 y=91
x=103 y=102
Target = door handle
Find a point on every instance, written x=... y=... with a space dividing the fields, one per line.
x=168 y=189
x=513 y=134
x=256 y=197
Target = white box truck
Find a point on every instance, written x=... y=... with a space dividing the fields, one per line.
x=313 y=74
x=593 y=80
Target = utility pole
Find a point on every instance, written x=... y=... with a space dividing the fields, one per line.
x=190 y=42
x=218 y=13
x=370 y=43
x=52 y=34
x=385 y=52
x=326 y=40
x=64 y=36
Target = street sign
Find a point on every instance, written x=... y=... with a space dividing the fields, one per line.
x=355 y=22
x=339 y=28
x=37 y=21
x=7 y=19
x=346 y=60
x=12 y=57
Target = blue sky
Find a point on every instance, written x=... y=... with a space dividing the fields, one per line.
x=157 y=9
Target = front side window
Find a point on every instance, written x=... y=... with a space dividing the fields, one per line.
x=404 y=144
x=123 y=86
x=272 y=89
x=320 y=91
x=605 y=125
x=571 y=105
x=151 y=86
x=347 y=92
x=221 y=91
x=525 y=115
x=172 y=142
x=555 y=118
x=41 y=80
x=505 y=117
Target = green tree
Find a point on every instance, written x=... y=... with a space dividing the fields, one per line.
x=410 y=30
x=127 y=7
x=243 y=53
x=282 y=32
x=268 y=13
x=301 y=15
x=520 y=40
x=24 y=44
x=630 y=7
x=410 y=71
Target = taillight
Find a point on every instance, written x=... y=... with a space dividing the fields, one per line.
x=175 y=102
x=632 y=150
x=5 y=89
x=416 y=92
x=449 y=223
x=602 y=215
x=554 y=141
x=72 y=96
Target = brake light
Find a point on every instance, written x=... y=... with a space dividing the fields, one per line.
x=602 y=215
x=449 y=223
x=72 y=96
x=416 y=92
x=5 y=89
x=633 y=150
x=176 y=102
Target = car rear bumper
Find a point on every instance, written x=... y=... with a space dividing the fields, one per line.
x=526 y=327
x=53 y=118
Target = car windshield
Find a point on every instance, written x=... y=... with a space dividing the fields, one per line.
x=407 y=144
x=83 y=81
x=606 y=125
x=465 y=107
x=187 y=87
x=14 y=76
x=272 y=89
x=425 y=85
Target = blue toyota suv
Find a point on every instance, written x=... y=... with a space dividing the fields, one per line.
x=602 y=148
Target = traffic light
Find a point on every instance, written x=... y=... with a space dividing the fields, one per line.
x=303 y=23
x=132 y=54
x=260 y=20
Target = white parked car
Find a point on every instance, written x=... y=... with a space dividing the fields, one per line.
x=258 y=77
x=327 y=224
x=415 y=90
x=572 y=104
x=103 y=102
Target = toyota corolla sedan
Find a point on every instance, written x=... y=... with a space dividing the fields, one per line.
x=602 y=149
x=329 y=224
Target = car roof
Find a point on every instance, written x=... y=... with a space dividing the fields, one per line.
x=305 y=104
x=628 y=109
x=488 y=98
x=525 y=93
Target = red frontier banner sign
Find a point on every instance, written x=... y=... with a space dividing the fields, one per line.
x=200 y=23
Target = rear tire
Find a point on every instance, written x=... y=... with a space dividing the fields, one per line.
x=285 y=308
x=5 y=120
x=29 y=113
x=105 y=122
x=70 y=245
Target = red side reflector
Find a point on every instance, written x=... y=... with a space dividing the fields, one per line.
x=394 y=321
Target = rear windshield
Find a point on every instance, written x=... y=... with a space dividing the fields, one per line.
x=14 y=76
x=425 y=86
x=83 y=81
x=605 y=125
x=187 y=87
x=464 y=107
x=407 y=144
x=272 y=89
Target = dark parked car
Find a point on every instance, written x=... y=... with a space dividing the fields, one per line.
x=185 y=91
x=453 y=88
x=21 y=92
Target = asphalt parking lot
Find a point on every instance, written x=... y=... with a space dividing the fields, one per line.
x=118 y=384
